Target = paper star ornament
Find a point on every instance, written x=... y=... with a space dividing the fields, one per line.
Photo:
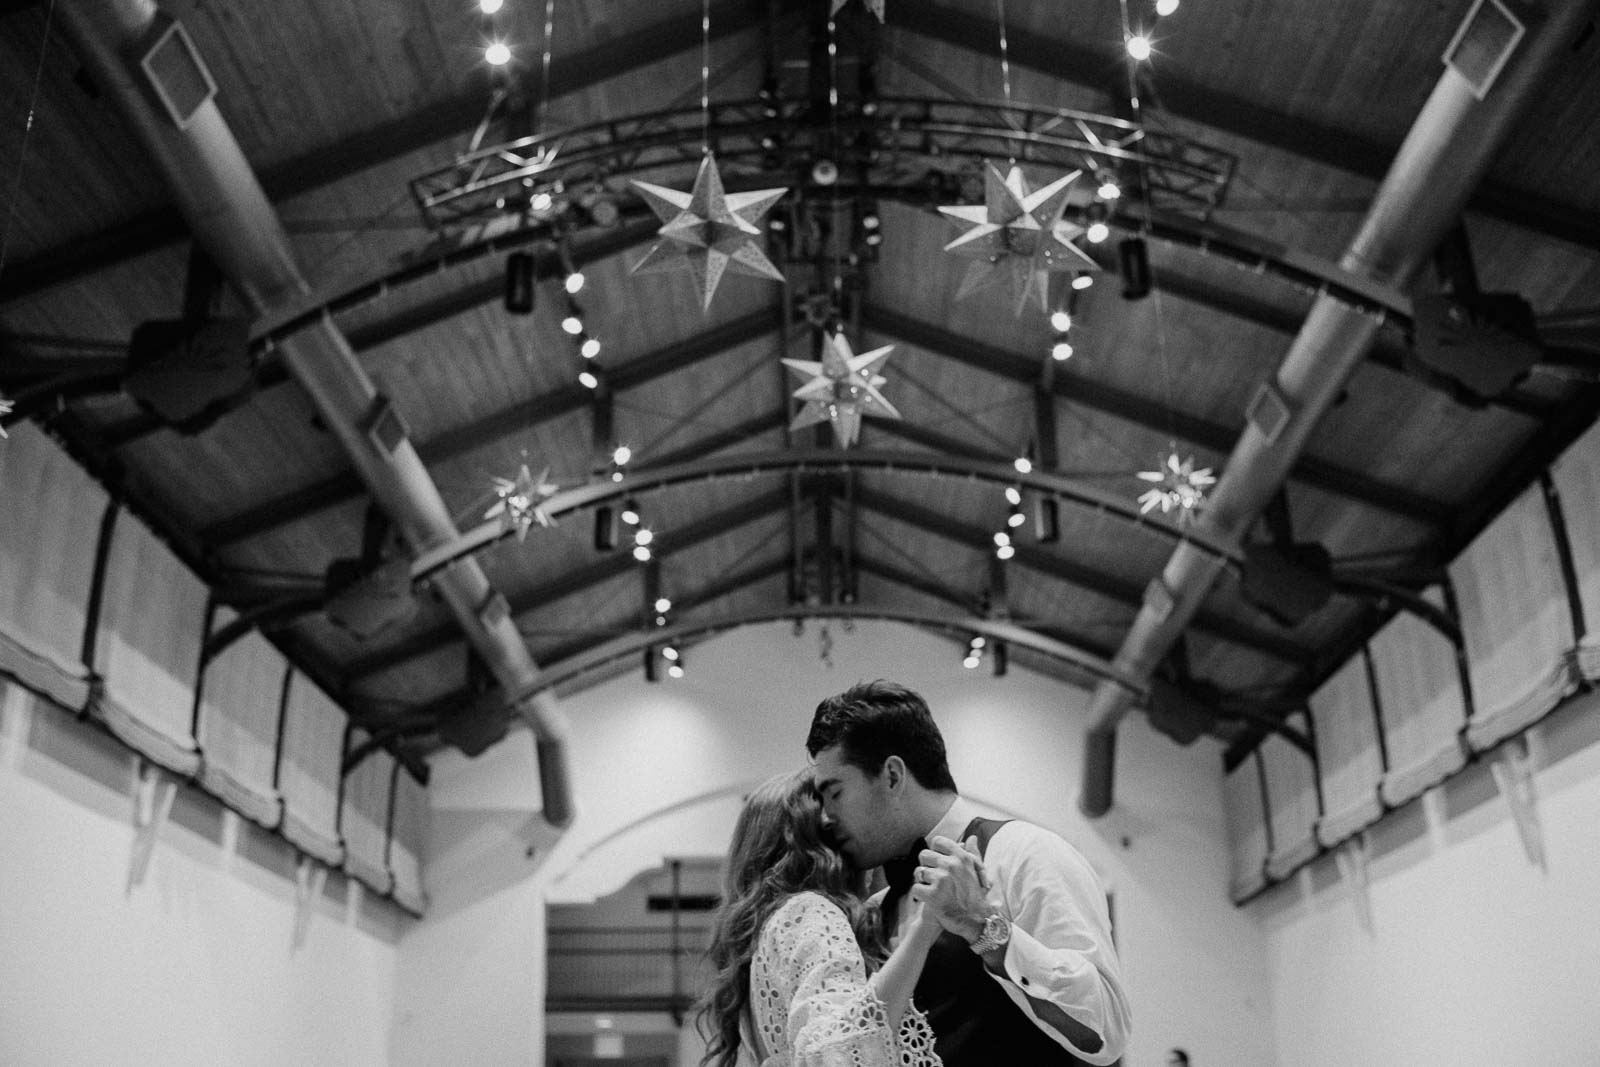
x=521 y=501
x=707 y=231
x=841 y=389
x=1175 y=485
x=6 y=407
x=1018 y=236
x=874 y=6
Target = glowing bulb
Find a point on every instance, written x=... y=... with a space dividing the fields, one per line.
x=1061 y=351
x=1109 y=190
x=630 y=513
x=670 y=654
x=1015 y=519
x=621 y=455
x=663 y=605
x=541 y=202
x=1166 y=7
x=590 y=348
x=1005 y=552
x=1060 y=321
x=1082 y=281
x=675 y=670
x=641 y=553
x=1002 y=538
x=497 y=54
x=970 y=663
x=1139 y=47
x=616 y=476
x=574 y=282
x=489 y=7
x=1097 y=232
x=1024 y=465
x=979 y=641
x=588 y=381
x=1013 y=495
x=643 y=537
x=572 y=324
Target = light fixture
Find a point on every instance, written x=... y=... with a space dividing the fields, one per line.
x=497 y=54
x=1023 y=464
x=971 y=662
x=1166 y=7
x=1098 y=230
x=573 y=324
x=588 y=380
x=630 y=512
x=675 y=670
x=669 y=653
x=1015 y=518
x=641 y=553
x=590 y=348
x=621 y=455
x=1002 y=538
x=1081 y=282
x=574 y=282
x=663 y=605
x=643 y=536
x=489 y=7
x=542 y=201
x=1060 y=321
x=1139 y=47
x=1005 y=551
x=1061 y=351
x=1108 y=190
x=1013 y=495
x=979 y=641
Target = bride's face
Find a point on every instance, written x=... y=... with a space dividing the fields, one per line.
x=855 y=809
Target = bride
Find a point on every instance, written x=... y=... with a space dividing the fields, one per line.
x=793 y=945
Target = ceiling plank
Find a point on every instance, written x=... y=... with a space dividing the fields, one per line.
x=1122 y=590
x=1091 y=67
x=302 y=503
x=1149 y=414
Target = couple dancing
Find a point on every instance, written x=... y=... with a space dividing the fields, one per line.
x=991 y=946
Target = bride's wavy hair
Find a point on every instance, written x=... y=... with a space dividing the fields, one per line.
x=779 y=848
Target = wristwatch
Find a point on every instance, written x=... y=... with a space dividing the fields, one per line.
x=996 y=934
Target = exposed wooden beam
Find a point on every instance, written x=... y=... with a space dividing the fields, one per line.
x=1125 y=591
x=301 y=503
x=1143 y=411
x=581 y=579
x=388 y=141
x=1091 y=67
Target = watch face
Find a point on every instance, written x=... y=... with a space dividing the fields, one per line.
x=996 y=929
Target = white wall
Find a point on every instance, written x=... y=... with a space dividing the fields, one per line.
x=195 y=965
x=658 y=770
x=1476 y=957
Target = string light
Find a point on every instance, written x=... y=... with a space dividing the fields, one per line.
x=1166 y=7
x=1082 y=282
x=588 y=380
x=1061 y=351
x=589 y=349
x=621 y=455
x=574 y=282
x=1139 y=47
x=630 y=512
x=573 y=323
x=498 y=54
x=1023 y=464
x=663 y=605
x=643 y=536
x=1013 y=495
x=1060 y=321
x=489 y=7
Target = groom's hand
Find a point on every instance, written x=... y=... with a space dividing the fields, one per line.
x=950 y=884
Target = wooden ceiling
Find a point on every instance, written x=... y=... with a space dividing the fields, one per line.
x=340 y=108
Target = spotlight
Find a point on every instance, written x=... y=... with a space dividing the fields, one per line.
x=1081 y=282
x=630 y=512
x=622 y=454
x=1139 y=47
x=590 y=348
x=588 y=381
x=1061 y=351
x=641 y=553
x=1060 y=321
x=574 y=282
x=572 y=323
x=1166 y=7
x=497 y=54
x=663 y=605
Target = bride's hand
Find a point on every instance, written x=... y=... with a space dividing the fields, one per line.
x=924 y=929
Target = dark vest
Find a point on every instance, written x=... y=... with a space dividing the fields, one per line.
x=974 y=1022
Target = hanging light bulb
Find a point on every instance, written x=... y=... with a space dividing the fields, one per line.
x=574 y=282
x=643 y=537
x=1005 y=551
x=1139 y=47
x=489 y=7
x=1002 y=539
x=1061 y=351
x=1166 y=7
x=497 y=54
x=663 y=605
x=641 y=553
x=1081 y=282
x=588 y=381
x=1013 y=495
x=630 y=512
x=1023 y=464
x=572 y=324
x=621 y=455
x=590 y=348
x=1060 y=321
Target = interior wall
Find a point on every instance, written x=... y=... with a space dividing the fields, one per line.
x=1474 y=956
x=658 y=770
x=195 y=965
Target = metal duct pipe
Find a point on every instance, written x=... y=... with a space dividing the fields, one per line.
x=1443 y=158
x=231 y=218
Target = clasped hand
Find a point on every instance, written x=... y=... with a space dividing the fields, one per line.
x=950 y=883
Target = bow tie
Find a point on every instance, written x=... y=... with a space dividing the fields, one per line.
x=902 y=870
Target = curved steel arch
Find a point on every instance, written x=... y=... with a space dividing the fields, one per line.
x=563 y=671
x=750 y=465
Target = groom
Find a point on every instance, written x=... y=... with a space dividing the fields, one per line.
x=1025 y=972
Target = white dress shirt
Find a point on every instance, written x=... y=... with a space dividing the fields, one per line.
x=1060 y=958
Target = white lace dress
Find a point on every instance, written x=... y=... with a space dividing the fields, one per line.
x=810 y=1001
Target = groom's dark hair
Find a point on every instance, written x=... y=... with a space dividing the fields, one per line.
x=872 y=721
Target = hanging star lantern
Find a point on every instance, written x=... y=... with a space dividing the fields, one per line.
x=1175 y=484
x=1018 y=236
x=707 y=231
x=6 y=407
x=521 y=501
x=874 y=6
x=841 y=389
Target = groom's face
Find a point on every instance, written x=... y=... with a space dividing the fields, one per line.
x=856 y=809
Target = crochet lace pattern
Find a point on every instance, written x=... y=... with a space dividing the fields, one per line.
x=810 y=1000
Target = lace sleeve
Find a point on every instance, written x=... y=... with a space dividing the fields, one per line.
x=811 y=999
